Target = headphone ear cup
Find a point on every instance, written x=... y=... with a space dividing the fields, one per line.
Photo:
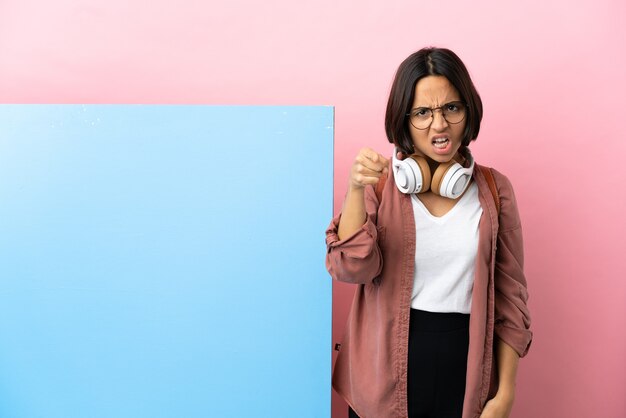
x=451 y=179
x=425 y=171
x=412 y=175
x=438 y=186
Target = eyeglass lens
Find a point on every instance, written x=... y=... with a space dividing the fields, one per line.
x=422 y=117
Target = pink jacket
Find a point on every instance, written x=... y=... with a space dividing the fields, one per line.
x=371 y=368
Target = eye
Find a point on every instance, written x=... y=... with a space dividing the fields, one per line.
x=421 y=113
x=452 y=107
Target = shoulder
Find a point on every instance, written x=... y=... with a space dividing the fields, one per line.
x=502 y=181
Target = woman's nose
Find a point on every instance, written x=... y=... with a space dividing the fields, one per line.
x=439 y=122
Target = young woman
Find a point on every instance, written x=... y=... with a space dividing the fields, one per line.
x=439 y=319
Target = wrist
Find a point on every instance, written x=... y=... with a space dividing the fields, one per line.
x=354 y=189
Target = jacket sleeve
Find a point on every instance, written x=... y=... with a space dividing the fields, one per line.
x=512 y=318
x=357 y=258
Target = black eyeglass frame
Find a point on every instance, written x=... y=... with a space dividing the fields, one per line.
x=432 y=113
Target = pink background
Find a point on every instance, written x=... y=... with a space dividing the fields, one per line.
x=551 y=75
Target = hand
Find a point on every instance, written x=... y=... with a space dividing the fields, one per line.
x=367 y=168
x=498 y=407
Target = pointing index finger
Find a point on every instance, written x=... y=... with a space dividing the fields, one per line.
x=374 y=162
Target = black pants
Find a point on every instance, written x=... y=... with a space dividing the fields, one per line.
x=438 y=344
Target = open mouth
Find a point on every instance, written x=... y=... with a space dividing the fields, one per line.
x=441 y=143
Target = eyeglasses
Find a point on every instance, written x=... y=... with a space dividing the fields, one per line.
x=422 y=117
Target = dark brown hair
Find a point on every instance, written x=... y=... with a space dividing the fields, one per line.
x=425 y=62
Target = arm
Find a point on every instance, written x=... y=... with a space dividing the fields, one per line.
x=507 y=359
x=366 y=170
x=356 y=258
x=512 y=318
x=353 y=214
x=352 y=237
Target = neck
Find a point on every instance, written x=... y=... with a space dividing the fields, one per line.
x=458 y=157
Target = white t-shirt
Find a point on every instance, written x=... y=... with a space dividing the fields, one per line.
x=445 y=254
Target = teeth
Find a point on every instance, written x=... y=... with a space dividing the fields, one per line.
x=440 y=143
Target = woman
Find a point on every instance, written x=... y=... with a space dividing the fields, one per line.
x=439 y=319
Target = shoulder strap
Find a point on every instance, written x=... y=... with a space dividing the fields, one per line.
x=488 y=174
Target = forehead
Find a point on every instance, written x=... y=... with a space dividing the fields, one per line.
x=434 y=90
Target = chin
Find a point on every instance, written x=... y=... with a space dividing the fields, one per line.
x=442 y=158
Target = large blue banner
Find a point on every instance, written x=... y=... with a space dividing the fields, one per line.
x=164 y=261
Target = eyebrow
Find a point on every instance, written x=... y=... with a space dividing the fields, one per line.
x=443 y=104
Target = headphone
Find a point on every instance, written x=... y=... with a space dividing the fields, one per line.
x=412 y=175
